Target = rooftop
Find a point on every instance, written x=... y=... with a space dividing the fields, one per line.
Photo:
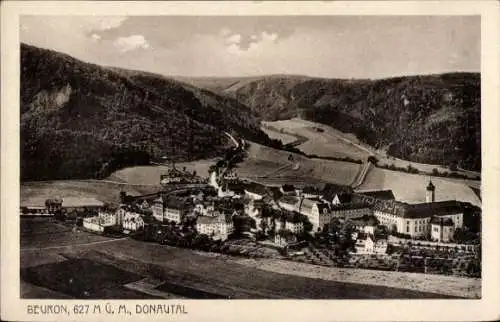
x=379 y=194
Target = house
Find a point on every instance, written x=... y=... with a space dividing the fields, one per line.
x=311 y=192
x=290 y=221
x=218 y=227
x=132 y=221
x=285 y=238
x=38 y=211
x=144 y=205
x=93 y=224
x=157 y=209
x=204 y=208
x=170 y=209
x=290 y=203
x=366 y=224
x=442 y=229
x=367 y=244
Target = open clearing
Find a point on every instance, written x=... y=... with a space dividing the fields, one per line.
x=411 y=187
x=180 y=273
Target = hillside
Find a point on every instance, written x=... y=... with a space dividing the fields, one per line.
x=432 y=119
x=80 y=120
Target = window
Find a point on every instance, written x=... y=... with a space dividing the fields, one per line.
x=407 y=229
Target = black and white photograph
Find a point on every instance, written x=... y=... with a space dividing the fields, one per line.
x=222 y=157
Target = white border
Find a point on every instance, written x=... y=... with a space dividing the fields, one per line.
x=12 y=308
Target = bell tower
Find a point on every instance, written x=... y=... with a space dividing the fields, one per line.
x=430 y=192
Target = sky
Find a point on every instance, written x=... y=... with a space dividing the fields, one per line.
x=234 y=46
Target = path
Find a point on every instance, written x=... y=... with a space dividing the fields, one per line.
x=360 y=177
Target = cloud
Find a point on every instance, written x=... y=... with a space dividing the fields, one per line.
x=133 y=42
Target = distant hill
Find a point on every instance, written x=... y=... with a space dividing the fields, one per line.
x=431 y=119
x=80 y=120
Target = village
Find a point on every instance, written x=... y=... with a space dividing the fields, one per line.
x=326 y=224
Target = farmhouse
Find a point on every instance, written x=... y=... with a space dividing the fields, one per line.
x=367 y=244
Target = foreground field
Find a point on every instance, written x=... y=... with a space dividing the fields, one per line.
x=124 y=268
x=411 y=187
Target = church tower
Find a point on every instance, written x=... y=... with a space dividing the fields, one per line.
x=430 y=192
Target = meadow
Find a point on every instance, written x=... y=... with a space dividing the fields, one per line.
x=193 y=274
x=411 y=187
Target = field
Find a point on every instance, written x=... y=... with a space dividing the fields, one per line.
x=263 y=162
x=150 y=174
x=35 y=193
x=113 y=267
x=331 y=142
x=326 y=143
x=411 y=187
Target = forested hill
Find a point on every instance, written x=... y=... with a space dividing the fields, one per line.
x=431 y=119
x=80 y=120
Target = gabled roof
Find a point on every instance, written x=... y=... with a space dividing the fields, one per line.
x=442 y=221
x=221 y=218
x=291 y=200
x=379 y=194
x=348 y=206
x=366 y=221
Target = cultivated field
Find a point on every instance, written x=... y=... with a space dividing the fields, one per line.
x=332 y=142
x=120 y=268
x=411 y=187
x=35 y=193
x=450 y=285
x=263 y=161
x=328 y=143
x=150 y=174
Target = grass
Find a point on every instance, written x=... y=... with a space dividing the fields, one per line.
x=35 y=193
x=334 y=143
x=411 y=187
x=107 y=269
x=262 y=160
x=328 y=143
x=150 y=174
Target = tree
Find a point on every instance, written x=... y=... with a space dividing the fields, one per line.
x=372 y=159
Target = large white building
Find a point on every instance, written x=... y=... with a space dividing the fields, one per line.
x=169 y=210
x=414 y=220
x=218 y=226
